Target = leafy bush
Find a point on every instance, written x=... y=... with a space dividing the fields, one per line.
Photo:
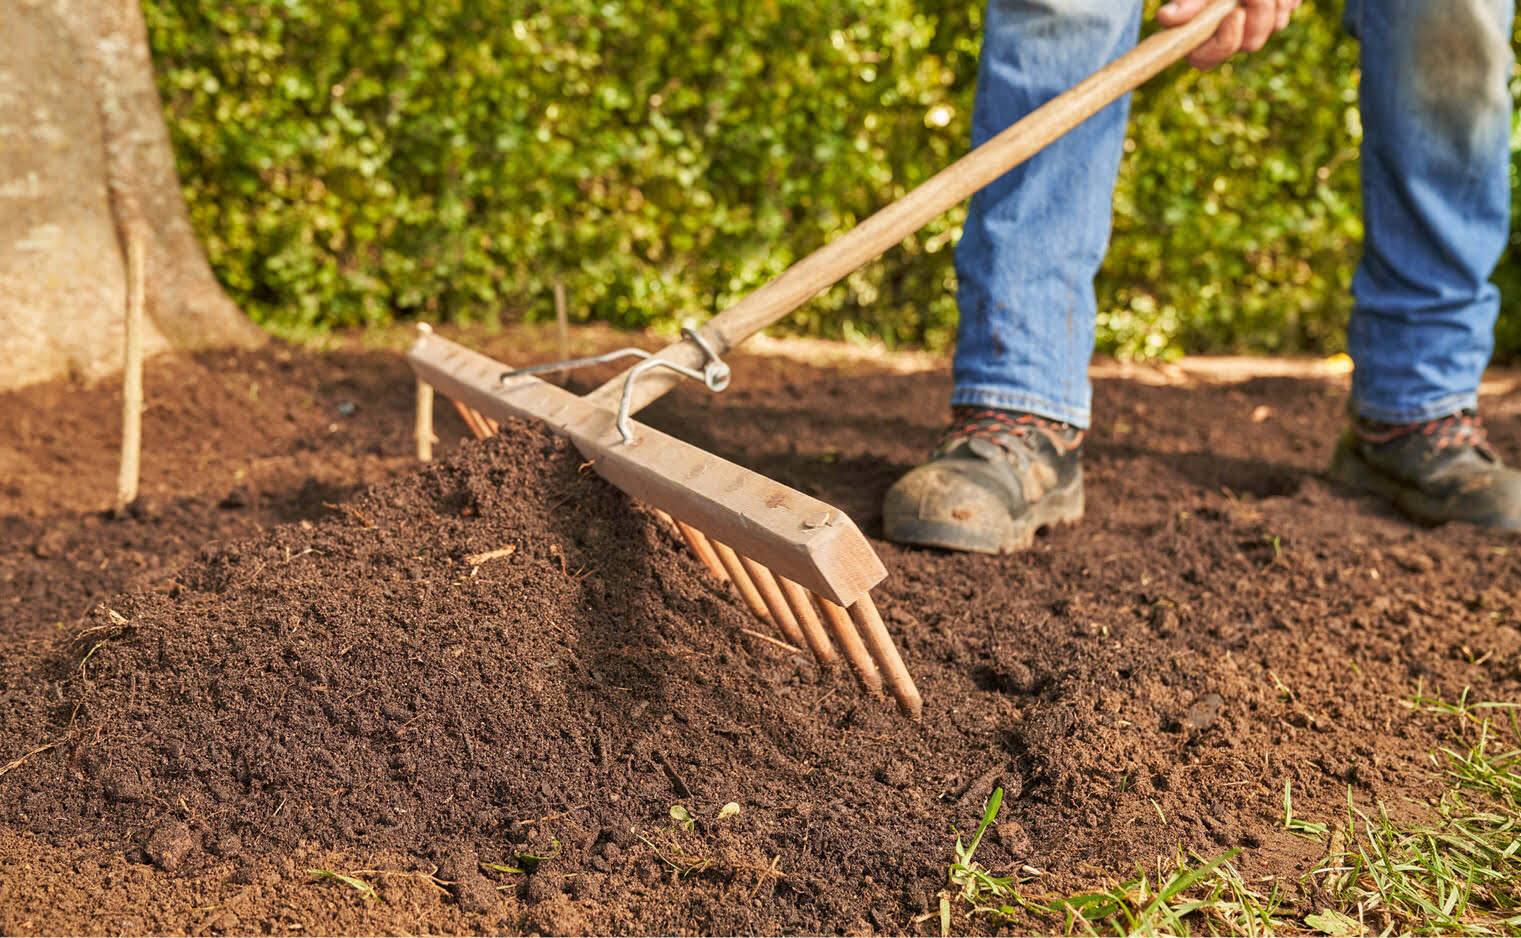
x=1237 y=216
x=351 y=161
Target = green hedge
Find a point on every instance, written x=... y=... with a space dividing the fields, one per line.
x=352 y=161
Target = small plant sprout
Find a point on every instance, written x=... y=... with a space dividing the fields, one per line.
x=1276 y=541
x=1295 y=825
x=525 y=862
x=681 y=863
x=1284 y=693
x=353 y=882
x=683 y=817
x=530 y=861
x=730 y=809
x=970 y=879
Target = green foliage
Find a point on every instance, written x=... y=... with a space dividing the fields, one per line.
x=352 y=161
x=1237 y=214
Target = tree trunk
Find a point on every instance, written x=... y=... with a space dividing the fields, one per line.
x=85 y=157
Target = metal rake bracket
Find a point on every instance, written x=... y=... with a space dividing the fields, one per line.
x=715 y=373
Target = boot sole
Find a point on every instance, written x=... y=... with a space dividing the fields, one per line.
x=1351 y=470
x=1061 y=506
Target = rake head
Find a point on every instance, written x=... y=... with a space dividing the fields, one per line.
x=793 y=559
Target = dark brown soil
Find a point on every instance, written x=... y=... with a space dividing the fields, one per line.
x=265 y=674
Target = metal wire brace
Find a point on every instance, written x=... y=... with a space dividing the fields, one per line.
x=715 y=373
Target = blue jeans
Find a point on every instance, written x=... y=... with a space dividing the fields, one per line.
x=1436 y=114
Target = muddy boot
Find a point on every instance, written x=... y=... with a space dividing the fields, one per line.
x=996 y=478
x=1441 y=470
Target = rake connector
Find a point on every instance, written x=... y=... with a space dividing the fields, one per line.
x=786 y=553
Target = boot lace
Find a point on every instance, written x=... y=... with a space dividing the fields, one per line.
x=1464 y=428
x=1005 y=429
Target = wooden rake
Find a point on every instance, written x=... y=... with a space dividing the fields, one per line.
x=816 y=569
x=793 y=559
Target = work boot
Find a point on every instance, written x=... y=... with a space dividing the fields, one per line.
x=1440 y=470
x=996 y=477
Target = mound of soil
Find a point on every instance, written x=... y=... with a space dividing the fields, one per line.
x=359 y=683
x=350 y=685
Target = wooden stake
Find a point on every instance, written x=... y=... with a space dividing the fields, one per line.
x=808 y=619
x=771 y=595
x=562 y=327
x=880 y=643
x=424 y=425
x=132 y=372
x=844 y=631
x=740 y=579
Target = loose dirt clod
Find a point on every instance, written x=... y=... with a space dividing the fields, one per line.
x=123 y=784
x=460 y=868
x=169 y=845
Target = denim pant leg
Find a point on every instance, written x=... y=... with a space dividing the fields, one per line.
x=1436 y=114
x=1034 y=239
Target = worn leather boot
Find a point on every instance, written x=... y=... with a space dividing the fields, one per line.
x=1441 y=470
x=996 y=478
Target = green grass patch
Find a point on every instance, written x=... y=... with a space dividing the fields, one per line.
x=1459 y=871
x=1454 y=871
x=1209 y=895
x=1195 y=895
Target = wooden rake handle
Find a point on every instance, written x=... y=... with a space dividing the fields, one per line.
x=891 y=224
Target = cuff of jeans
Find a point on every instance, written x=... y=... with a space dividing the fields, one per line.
x=1441 y=407
x=1028 y=403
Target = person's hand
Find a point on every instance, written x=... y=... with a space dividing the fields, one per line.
x=1244 y=30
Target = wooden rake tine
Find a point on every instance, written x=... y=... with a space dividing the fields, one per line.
x=776 y=603
x=880 y=643
x=794 y=601
x=844 y=632
x=475 y=420
x=699 y=544
x=808 y=619
x=871 y=647
x=741 y=580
